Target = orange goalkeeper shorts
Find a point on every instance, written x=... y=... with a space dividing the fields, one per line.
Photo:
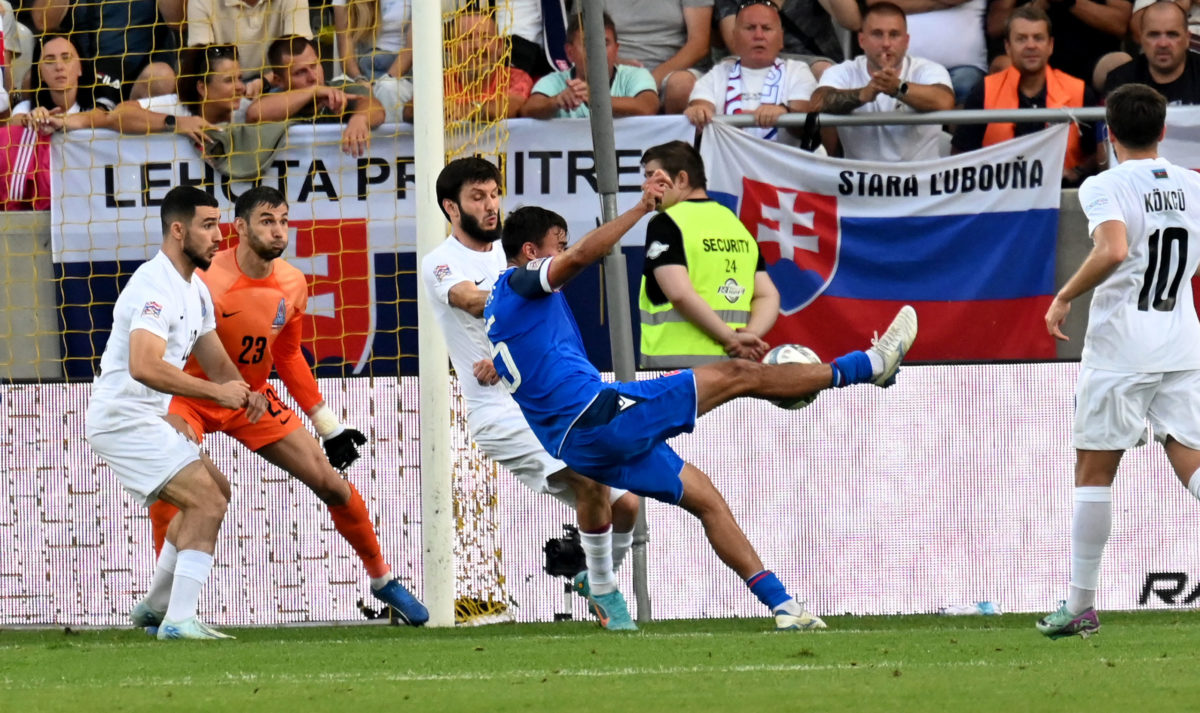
x=206 y=416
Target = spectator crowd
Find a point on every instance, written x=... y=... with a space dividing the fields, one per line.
x=202 y=67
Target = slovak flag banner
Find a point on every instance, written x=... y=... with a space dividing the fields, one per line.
x=1181 y=143
x=968 y=240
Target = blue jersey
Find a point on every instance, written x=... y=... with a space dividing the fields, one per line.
x=538 y=352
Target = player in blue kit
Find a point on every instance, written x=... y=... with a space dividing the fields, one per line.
x=616 y=433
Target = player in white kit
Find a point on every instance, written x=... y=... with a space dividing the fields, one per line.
x=161 y=316
x=1141 y=354
x=459 y=275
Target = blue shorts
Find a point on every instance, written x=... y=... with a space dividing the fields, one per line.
x=620 y=439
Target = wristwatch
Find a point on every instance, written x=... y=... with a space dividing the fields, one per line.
x=902 y=90
x=169 y=122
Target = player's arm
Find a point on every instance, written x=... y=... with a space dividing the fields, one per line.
x=218 y=367
x=147 y=366
x=600 y=241
x=1111 y=245
x=340 y=441
x=467 y=297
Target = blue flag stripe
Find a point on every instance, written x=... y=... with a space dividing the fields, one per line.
x=988 y=256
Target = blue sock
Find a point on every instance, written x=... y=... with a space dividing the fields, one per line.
x=852 y=368
x=767 y=587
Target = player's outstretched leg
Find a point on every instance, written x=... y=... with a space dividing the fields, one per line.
x=723 y=381
x=300 y=455
x=702 y=499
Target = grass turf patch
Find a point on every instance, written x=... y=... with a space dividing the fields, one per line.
x=900 y=663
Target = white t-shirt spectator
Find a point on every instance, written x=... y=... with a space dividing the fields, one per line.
x=797 y=84
x=887 y=143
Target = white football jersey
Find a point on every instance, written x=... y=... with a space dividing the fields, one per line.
x=1142 y=316
x=444 y=267
x=158 y=300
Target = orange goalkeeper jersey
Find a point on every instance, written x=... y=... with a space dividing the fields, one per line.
x=260 y=324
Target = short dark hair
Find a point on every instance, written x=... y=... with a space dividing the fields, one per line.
x=576 y=25
x=528 y=224
x=463 y=172
x=1029 y=13
x=288 y=46
x=1136 y=115
x=676 y=156
x=885 y=9
x=195 y=65
x=180 y=203
x=253 y=198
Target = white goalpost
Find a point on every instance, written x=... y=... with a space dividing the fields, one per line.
x=437 y=507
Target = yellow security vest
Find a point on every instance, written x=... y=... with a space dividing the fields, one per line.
x=721 y=260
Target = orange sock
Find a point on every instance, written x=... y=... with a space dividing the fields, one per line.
x=354 y=523
x=161 y=514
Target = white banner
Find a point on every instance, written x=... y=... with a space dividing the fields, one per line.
x=106 y=187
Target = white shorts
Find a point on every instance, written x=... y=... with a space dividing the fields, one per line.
x=510 y=442
x=144 y=455
x=1112 y=408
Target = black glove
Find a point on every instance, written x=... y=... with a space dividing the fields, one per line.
x=342 y=449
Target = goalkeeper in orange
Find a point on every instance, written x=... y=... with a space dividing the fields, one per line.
x=259 y=301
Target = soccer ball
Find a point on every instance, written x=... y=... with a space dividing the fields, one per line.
x=793 y=354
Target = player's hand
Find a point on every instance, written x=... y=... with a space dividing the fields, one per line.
x=356 y=138
x=256 y=406
x=653 y=189
x=232 y=394
x=342 y=448
x=699 y=114
x=1055 y=316
x=768 y=114
x=485 y=372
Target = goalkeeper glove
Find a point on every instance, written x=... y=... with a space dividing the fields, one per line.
x=341 y=442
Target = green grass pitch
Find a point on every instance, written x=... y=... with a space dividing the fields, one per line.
x=1139 y=662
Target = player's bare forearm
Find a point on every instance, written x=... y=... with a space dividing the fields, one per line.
x=468 y=297
x=1110 y=249
x=594 y=246
x=214 y=360
x=837 y=101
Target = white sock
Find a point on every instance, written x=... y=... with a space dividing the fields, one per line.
x=159 y=594
x=1194 y=485
x=791 y=606
x=191 y=572
x=876 y=362
x=378 y=583
x=621 y=542
x=598 y=553
x=1090 y=529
